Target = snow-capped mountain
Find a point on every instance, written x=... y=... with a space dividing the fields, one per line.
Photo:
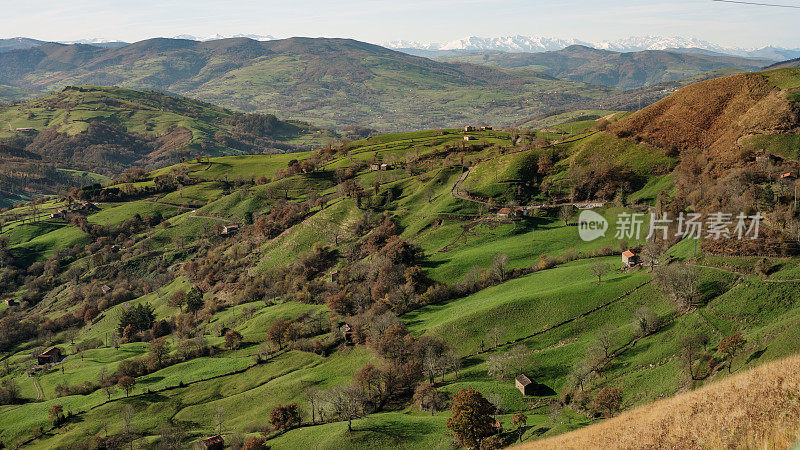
x=534 y=44
x=97 y=42
x=511 y=44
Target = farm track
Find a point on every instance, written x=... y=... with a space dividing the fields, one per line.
x=745 y=275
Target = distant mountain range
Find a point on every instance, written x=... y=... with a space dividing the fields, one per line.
x=629 y=70
x=328 y=82
x=534 y=44
x=23 y=43
x=338 y=83
x=518 y=44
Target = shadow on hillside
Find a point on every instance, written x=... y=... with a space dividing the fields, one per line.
x=397 y=430
x=755 y=355
x=549 y=372
x=151 y=380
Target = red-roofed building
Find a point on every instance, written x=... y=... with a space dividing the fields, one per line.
x=788 y=176
x=504 y=212
x=629 y=258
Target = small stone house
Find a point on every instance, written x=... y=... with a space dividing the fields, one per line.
x=385 y=166
x=469 y=138
x=486 y=128
x=211 y=443
x=49 y=356
x=525 y=385
x=229 y=229
x=374 y=167
x=10 y=302
x=788 y=176
x=335 y=276
x=469 y=128
x=105 y=288
x=629 y=258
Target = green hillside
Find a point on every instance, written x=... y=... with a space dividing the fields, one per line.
x=65 y=139
x=176 y=328
x=328 y=82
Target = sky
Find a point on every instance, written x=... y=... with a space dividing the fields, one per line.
x=374 y=21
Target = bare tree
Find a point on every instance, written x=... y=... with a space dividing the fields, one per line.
x=679 y=282
x=346 y=403
x=599 y=269
x=645 y=321
x=651 y=253
x=219 y=419
x=495 y=334
x=500 y=266
x=518 y=358
x=126 y=414
x=605 y=339
x=565 y=213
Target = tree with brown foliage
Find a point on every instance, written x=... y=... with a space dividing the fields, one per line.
x=233 y=339
x=255 y=443
x=732 y=345
x=159 y=351
x=427 y=398
x=126 y=383
x=277 y=332
x=608 y=401
x=519 y=420
x=471 y=417
x=178 y=299
x=284 y=417
x=56 y=413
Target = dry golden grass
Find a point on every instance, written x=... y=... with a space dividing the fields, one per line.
x=713 y=113
x=755 y=409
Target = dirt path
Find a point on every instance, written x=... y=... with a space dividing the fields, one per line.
x=39 y=393
x=746 y=275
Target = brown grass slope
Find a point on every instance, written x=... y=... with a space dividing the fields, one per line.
x=715 y=114
x=759 y=408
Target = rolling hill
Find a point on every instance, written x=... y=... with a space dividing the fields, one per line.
x=370 y=281
x=783 y=64
x=330 y=82
x=608 y=68
x=108 y=130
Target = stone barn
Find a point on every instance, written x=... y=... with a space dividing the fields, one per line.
x=50 y=356
x=525 y=385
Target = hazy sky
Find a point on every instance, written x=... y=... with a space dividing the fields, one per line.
x=422 y=20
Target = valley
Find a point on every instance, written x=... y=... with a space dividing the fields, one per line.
x=369 y=281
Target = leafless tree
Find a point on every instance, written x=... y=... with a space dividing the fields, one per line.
x=565 y=213
x=679 y=282
x=599 y=269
